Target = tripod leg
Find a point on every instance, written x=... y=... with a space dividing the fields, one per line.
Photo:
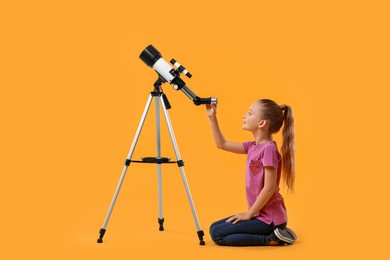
x=102 y=231
x=160 y=210
x=159 y=175
x=181 y=166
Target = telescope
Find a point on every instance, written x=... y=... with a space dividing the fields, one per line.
x=153 y=58
x=167 y=73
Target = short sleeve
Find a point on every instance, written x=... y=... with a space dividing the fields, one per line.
x=247 y=145
x=271 y=157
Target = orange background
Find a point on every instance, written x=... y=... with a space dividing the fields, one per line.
x=73 y=90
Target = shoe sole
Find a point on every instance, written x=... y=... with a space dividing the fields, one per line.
x=286 y=237
x=291 y=233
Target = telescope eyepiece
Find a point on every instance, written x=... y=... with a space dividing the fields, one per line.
x=203 y=101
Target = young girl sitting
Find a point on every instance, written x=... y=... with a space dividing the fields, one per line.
x=265 y=222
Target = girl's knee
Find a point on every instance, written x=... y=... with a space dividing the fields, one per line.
x=215 y=234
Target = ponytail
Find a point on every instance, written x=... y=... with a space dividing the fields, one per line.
x=288 y=147
x=278 y=116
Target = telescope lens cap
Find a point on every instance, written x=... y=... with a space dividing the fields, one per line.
x=150 y=55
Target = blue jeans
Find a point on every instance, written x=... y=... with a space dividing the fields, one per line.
x=251 y=232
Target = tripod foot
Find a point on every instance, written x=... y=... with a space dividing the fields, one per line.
x=200 y=235
x=102 y=231
x=161 y=223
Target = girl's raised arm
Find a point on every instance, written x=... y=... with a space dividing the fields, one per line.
x=219 y=139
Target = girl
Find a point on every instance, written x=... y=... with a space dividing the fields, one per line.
x=265 y=222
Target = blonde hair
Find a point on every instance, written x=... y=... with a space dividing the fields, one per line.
x=277 y=116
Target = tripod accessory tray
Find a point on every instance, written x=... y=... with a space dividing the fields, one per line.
x=155 y=160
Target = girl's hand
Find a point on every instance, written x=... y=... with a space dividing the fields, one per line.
x=211 y=109
x=239 y=217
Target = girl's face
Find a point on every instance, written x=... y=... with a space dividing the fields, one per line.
x=252 y=119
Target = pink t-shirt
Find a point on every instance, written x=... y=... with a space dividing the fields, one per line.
x=259 y=156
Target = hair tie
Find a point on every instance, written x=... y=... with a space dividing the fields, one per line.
x=283 y=107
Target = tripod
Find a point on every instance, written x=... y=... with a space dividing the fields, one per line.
x=160 y=98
